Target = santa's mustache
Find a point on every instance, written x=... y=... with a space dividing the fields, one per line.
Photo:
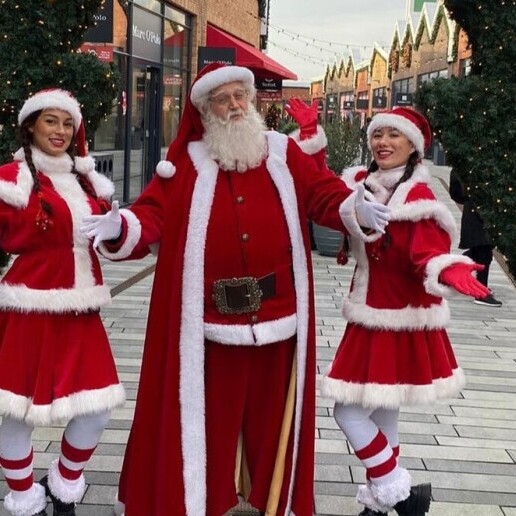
x=233 y=114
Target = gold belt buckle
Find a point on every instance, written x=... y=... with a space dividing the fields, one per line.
x=253 y=295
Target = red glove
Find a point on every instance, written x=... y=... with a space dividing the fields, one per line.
x=305 y=116
x=459 y=276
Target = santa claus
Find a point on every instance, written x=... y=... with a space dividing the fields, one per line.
x=227 y=391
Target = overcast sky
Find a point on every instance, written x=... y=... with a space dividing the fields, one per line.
x=300 y=32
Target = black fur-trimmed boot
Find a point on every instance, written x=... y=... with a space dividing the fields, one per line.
x=370 y=512
x=418 y=503
x=60 y=508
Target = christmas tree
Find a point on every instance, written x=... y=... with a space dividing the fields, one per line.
x=474 y=117
x=39 y=42
x=272 y=117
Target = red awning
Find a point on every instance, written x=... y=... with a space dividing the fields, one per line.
x=248 y=56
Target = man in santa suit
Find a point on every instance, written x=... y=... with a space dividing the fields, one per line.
x=231 y=320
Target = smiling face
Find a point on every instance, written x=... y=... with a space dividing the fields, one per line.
x=52 y=132
x=390 y=148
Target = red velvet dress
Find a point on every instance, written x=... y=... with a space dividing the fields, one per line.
x=395 y=349
x=55 y=358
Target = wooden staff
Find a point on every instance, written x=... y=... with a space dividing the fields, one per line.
x=279 y=465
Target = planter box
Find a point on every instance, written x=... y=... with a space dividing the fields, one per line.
x=328 y=241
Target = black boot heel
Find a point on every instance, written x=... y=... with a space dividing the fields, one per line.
x=418 y=503
x=370 y=512
x=60 y=508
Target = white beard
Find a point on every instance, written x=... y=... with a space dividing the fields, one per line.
x=236 y=144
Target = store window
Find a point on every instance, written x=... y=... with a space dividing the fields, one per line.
x=430 y=76
x=151 y=5
x=402 y=92
x=176 y=71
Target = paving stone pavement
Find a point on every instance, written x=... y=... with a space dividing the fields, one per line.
x=466 y=447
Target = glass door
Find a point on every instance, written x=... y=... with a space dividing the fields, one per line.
x=145 y=127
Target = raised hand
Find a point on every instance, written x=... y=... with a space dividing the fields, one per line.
x=460 y=277
x=103 y=227
x=370 y=214
x=305 y=116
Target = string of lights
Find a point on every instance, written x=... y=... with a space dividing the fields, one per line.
x=305 y=57
x=318 y=43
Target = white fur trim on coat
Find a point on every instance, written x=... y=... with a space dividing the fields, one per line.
x=62 y=409
x=192 y=336
x=17 y=194
x=349 y=176
x=55 y=300
x=435 y=266
x=435 y=317
x=84 y=164
x=67 y=491
x=349 y=218
x=313 y=144
x=102 y=185
x=32 y=503
x=134 y=231
x=252 y=335
x=376 y=395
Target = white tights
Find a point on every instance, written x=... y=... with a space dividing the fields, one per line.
x=80 y=438
x=362 y=424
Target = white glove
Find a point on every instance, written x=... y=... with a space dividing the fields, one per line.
x=373 y=215
x=103 y=227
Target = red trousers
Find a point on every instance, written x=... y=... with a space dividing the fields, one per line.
x=246 y=388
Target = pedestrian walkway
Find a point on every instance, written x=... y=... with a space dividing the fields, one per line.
x=465 y=447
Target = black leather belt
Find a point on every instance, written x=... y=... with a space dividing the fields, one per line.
x=243 y=295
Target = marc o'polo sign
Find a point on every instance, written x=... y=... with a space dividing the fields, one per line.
x=146 y=35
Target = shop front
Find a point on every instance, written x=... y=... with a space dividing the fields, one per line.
x=151 y=46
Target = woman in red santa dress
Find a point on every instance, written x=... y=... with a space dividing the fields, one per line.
x=56 y=365
x=395 y=350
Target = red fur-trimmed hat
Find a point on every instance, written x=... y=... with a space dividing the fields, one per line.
x=55 y=98
x=408 y=121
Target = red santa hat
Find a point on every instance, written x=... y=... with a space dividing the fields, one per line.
x=408 y=121
x=190 y=126
x=55 y=98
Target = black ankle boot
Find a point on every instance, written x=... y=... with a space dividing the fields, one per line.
x=60 y=508
x=418 y=503
x=370 y=512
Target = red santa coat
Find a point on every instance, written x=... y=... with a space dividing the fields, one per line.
x=55 y=359
x=164 y=469
x=395 y=349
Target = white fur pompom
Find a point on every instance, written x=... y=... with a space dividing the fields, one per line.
x=84 y=164
x=165 y=169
